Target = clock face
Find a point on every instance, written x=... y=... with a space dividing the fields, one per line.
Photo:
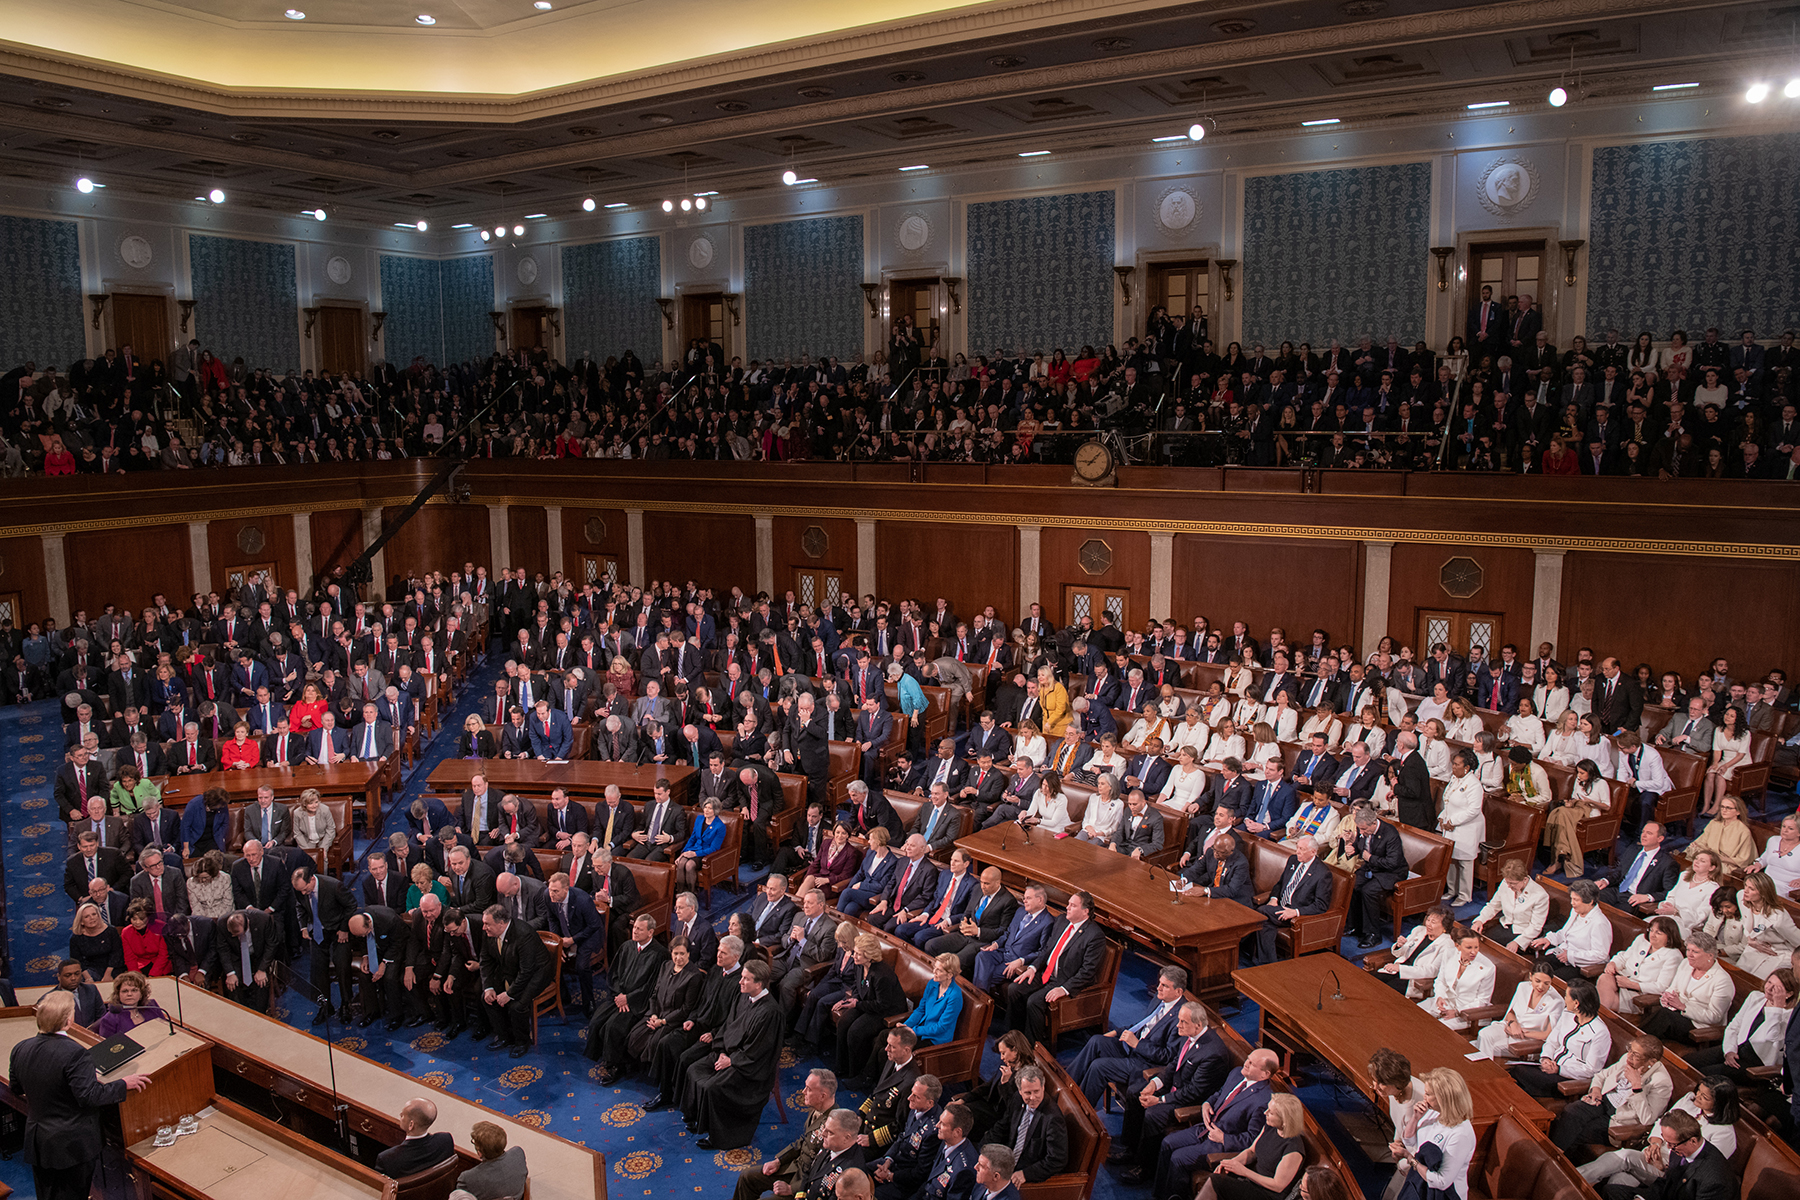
x=1093 y=460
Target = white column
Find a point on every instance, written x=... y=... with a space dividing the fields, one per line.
x=56 y=577
x=1378 y=578
x=1030 y=564
x=377 y=563
x=303 y=558
x=1162 y=575
x=553 y=519
x=499 y=540
x=765 y=553
x=865 y=559
x=1546 y=600
x=199 y=557
x=634 y=547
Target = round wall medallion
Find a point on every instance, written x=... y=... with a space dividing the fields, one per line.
x=1507 y=187
x=1177 y=209
x=528 y=270
x=337 y=269
x=1095 y=556
x=250 y=539
x=914 y=232
x=700 y=253
x=135 y=251
x=1461 y=578
x=815 y=541
x=594 y=531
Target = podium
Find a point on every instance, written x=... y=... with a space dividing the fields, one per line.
x=179 y=1064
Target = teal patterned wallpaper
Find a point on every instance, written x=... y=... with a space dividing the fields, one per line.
x=803 y=289
x=1687 y=234
x=437 y=311
x=246 y=300
x=1337 y=254
x=1041 y=273
x=41 y=304
x=609 y=298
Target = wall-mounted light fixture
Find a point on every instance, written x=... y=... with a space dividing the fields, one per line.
x=668 y=310
x=1570 y=247
x=1442 y=254
x=1225 y=265
x=1124 y=274
x=953 y=284
x=870 y=292
x=99 y=303
x=731 y=306
x=377 y=319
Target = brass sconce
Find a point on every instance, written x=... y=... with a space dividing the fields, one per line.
x=953 y=284
x=731 y=306
x=312 y=318
x=1442 y=254
x=1569 y=249
x=668 y=310
x=499 y=320
x=99 y=303
x=187 y=312
x=554 y=316
x=1225 y=265
x=870 y=291
x=1124 y=274
x=378 y=319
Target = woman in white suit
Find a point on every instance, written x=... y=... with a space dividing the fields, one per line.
x=1534 y=1008
x=1644 y=968
x=1419 y=954
x=1757 y=1035
x=1225 y=743
x=1461 y=820
x=1524 y=729
x=1770 y=935
x=1464 y=981
x=1434 y=749
x=1369 y=731
x=1049 y=809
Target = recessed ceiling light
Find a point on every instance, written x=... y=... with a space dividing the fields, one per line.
x=464 y=225
x=217 y=195
x=485 y=235
x=1791 y=91
x=618 y=204
x=518 y=231
x=535 y=216
x=317 y=214
x=294 y=14
x=1320 y=121
x=84 y=185
x=1758 y=93
x=790 y=177
x=587 y=205
x=1173 y=137
x=1673 y=87
x=668 y=206
x=1489 y=104
x=1032 y=153
x=542 y=5
x=425 y=19
x=918 y=167
x=1558 y=97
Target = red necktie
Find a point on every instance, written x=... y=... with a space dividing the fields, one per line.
x=944 y=908
x=193 y=754
x=753 y=802
x=905 y=879
x=1056 y=952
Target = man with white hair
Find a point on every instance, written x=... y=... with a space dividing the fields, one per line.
x=1303 y=890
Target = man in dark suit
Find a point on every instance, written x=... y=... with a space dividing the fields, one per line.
x=1140 y=831
x=1412 y=785
x=662 y=827
x=1485 y=331
x=471 y=883
x=1272 y=801
x=913 y=890
x=163 y=888
x=77 y=780
x=1377 y=860
x=89 y=1007
x=615 y=895
x=1197 y=1063
x=572 y=917
x=1068 y=963
x=985 y=920
x=1618 y=702
x=93 y=861
x=772 y=914
x=1035 y=1129
x=1122 y=1056
x=631 y=976
x=1303 y=890
x=379 y=957
x=324 y=908
x=1695 y=1168
x=64 y=1100
x=1230 y=1120
x=421 y=1149
x=381 y=886
x=246 y=947
x=258 y=883
x=514 y=969
x=1640 y=885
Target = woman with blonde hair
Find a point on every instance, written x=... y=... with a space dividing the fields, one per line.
x=1055 y=699
x=1446 y=1135
x=1461 y=724
x=1433 y=749
x=1565 y=744
x=1729 y=835
x=476 y=740
x=1265 y=1169
x=209 y=887
x=315 y=828
x=1262 y=748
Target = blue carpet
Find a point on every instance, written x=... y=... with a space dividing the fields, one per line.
x=553 y=1086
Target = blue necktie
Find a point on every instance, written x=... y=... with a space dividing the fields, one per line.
x=1631 y=877
x=1149 y=1022
x=374 y=958
x=318 y=926
x=245 y=976
x=931 y=822
x=982 y=907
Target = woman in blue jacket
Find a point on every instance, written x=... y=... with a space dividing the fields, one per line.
x=707 y=835
x=872 y=878
x=934 y=1017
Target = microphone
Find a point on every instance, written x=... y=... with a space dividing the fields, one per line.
x=150 y=1008
x=1337 y=989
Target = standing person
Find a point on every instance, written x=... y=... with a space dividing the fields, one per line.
x=63 y=1098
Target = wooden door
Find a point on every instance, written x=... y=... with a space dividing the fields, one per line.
x=142 y=322
x=1079 y=602
x=1510 y=268
x=1179 y=287
x=340 y=334
x=235 y=577
x=703 y=316
x=600 y=569
x=920 y=302
x=530 y=328
x=1459 y=631
x=9 y=610
x=815 y=587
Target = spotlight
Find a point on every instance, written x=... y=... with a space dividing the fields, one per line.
x=668 y=206
x=486 y=236
x=294 y=14
x=1792 y=90
x=217 y=195
x=700 y=203
x=421 y=227
x=687 y=205
x=1196 y=131
x=1758 y=93
x=425 y=19
x=542 y=5
x=789 y=177
x=518 y=231
x=1559 y=96
x=318 y=214
x=587 y=205
x=499 y=231
x=84 y=185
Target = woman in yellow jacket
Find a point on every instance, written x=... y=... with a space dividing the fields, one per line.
x=1055 y=699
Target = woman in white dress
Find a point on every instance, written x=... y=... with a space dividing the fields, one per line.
x=1713 y=1103
x=1100 y=820
x=1533 y=1009
x=1551 y=696
x=1226 y=743
x=1567 y=743
x=1433 y=748
x=1282 y=718
x=1382 y=799
x=1434 y=705
x=1756 y=1036
x=1168 y=703
x=1461 y=820
x=1724 y=923
x=1644 y=968
x=1491 y=767
x=1524 y=729
x=1030 y=744
x=1261 y=748
x=1597 y=746
x=1441 y=1119
x=1246 y=711
x=1461 y=724
x=1323 y=719
x=1151 y=724
x=1465 y=980
x=1589 y=797
x=1730 y=750
x=1193 y=731
x=1780 y=858
x=1582 y=702
x=1690 y=900
x=1186 y=782
x=1106 y=760
x=1049 y=810
x=1369 y=731
x=1316 y=819
x=1770 y=935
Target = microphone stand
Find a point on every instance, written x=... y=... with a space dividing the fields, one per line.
x=339 y=1110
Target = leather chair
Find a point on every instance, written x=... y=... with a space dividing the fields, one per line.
x=1088 y=1142
x=1088 y=1007
x=1687 y=772
x=1515 y=829
x=551 y=997
x=846 y=765
x=1428 y=861
x=433 y=1183
x=1307 y=934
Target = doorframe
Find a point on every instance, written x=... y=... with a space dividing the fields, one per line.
x=539 y=300
x=1068 y=606
x=1143 y=260
x=683 y=335
x=953 y=321
x=312 y=360
x=99 y=339
x=270 y=569
x=1465 y=287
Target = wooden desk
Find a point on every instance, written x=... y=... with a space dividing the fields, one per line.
x=1371 y=1015
x=1203 y=934
x=178 y=1062
x=583 y=780
x=236 y=1153
x=351 y=780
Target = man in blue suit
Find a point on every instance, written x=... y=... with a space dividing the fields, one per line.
x=1197 y=1062
x=1229 y=1121
x=1013 y=952
x=955 y=888
x=994 y=1171
x=575 y=920
x=911 y=893
x=1303 y=890
x=1272 y=803
x=1148 y=771
x=373 y=739
x=552 y=737
x=246 y=678
x=1121 y=1055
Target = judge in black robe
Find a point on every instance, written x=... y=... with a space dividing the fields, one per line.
x=723 y=1096
x=631 y=982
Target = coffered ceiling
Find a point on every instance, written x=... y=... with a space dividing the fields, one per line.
x=633 y=95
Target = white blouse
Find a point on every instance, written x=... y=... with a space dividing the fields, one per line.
x=1548 y=702
x=1032 y=748
x=1052 y=814
x=1221 y=748
x=1331 y=727
x=1261 y=754
x=1237 y=680
x=1437 y=758
x=1103 y=815
x=1525 y=731
x=1372 y=736
x=1649 y=971
x=1783 y=870
x=1196 y=735
x=1285 y=722
x=1457 y=1144
x=1431 y=707
x=1462 y=986
x=1689 y=903
x=1183 y=787
x=1565 y=748
x=1535 y=1019
x=1774 y=929
x=1579 y=1051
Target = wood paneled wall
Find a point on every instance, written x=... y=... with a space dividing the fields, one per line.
x=128 y=567
x=791 y=557
x=717 y=551
x=440 y=537
x=1298 y=586
x=1059 y=568
x=22 y=575
x=970 y=565
x=1417 y=586
x=529 y=538
x=336 y=538
x=613 y=543
x=224 y=551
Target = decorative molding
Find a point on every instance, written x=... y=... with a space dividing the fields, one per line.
x=1176 y=210
x=1508 y=186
